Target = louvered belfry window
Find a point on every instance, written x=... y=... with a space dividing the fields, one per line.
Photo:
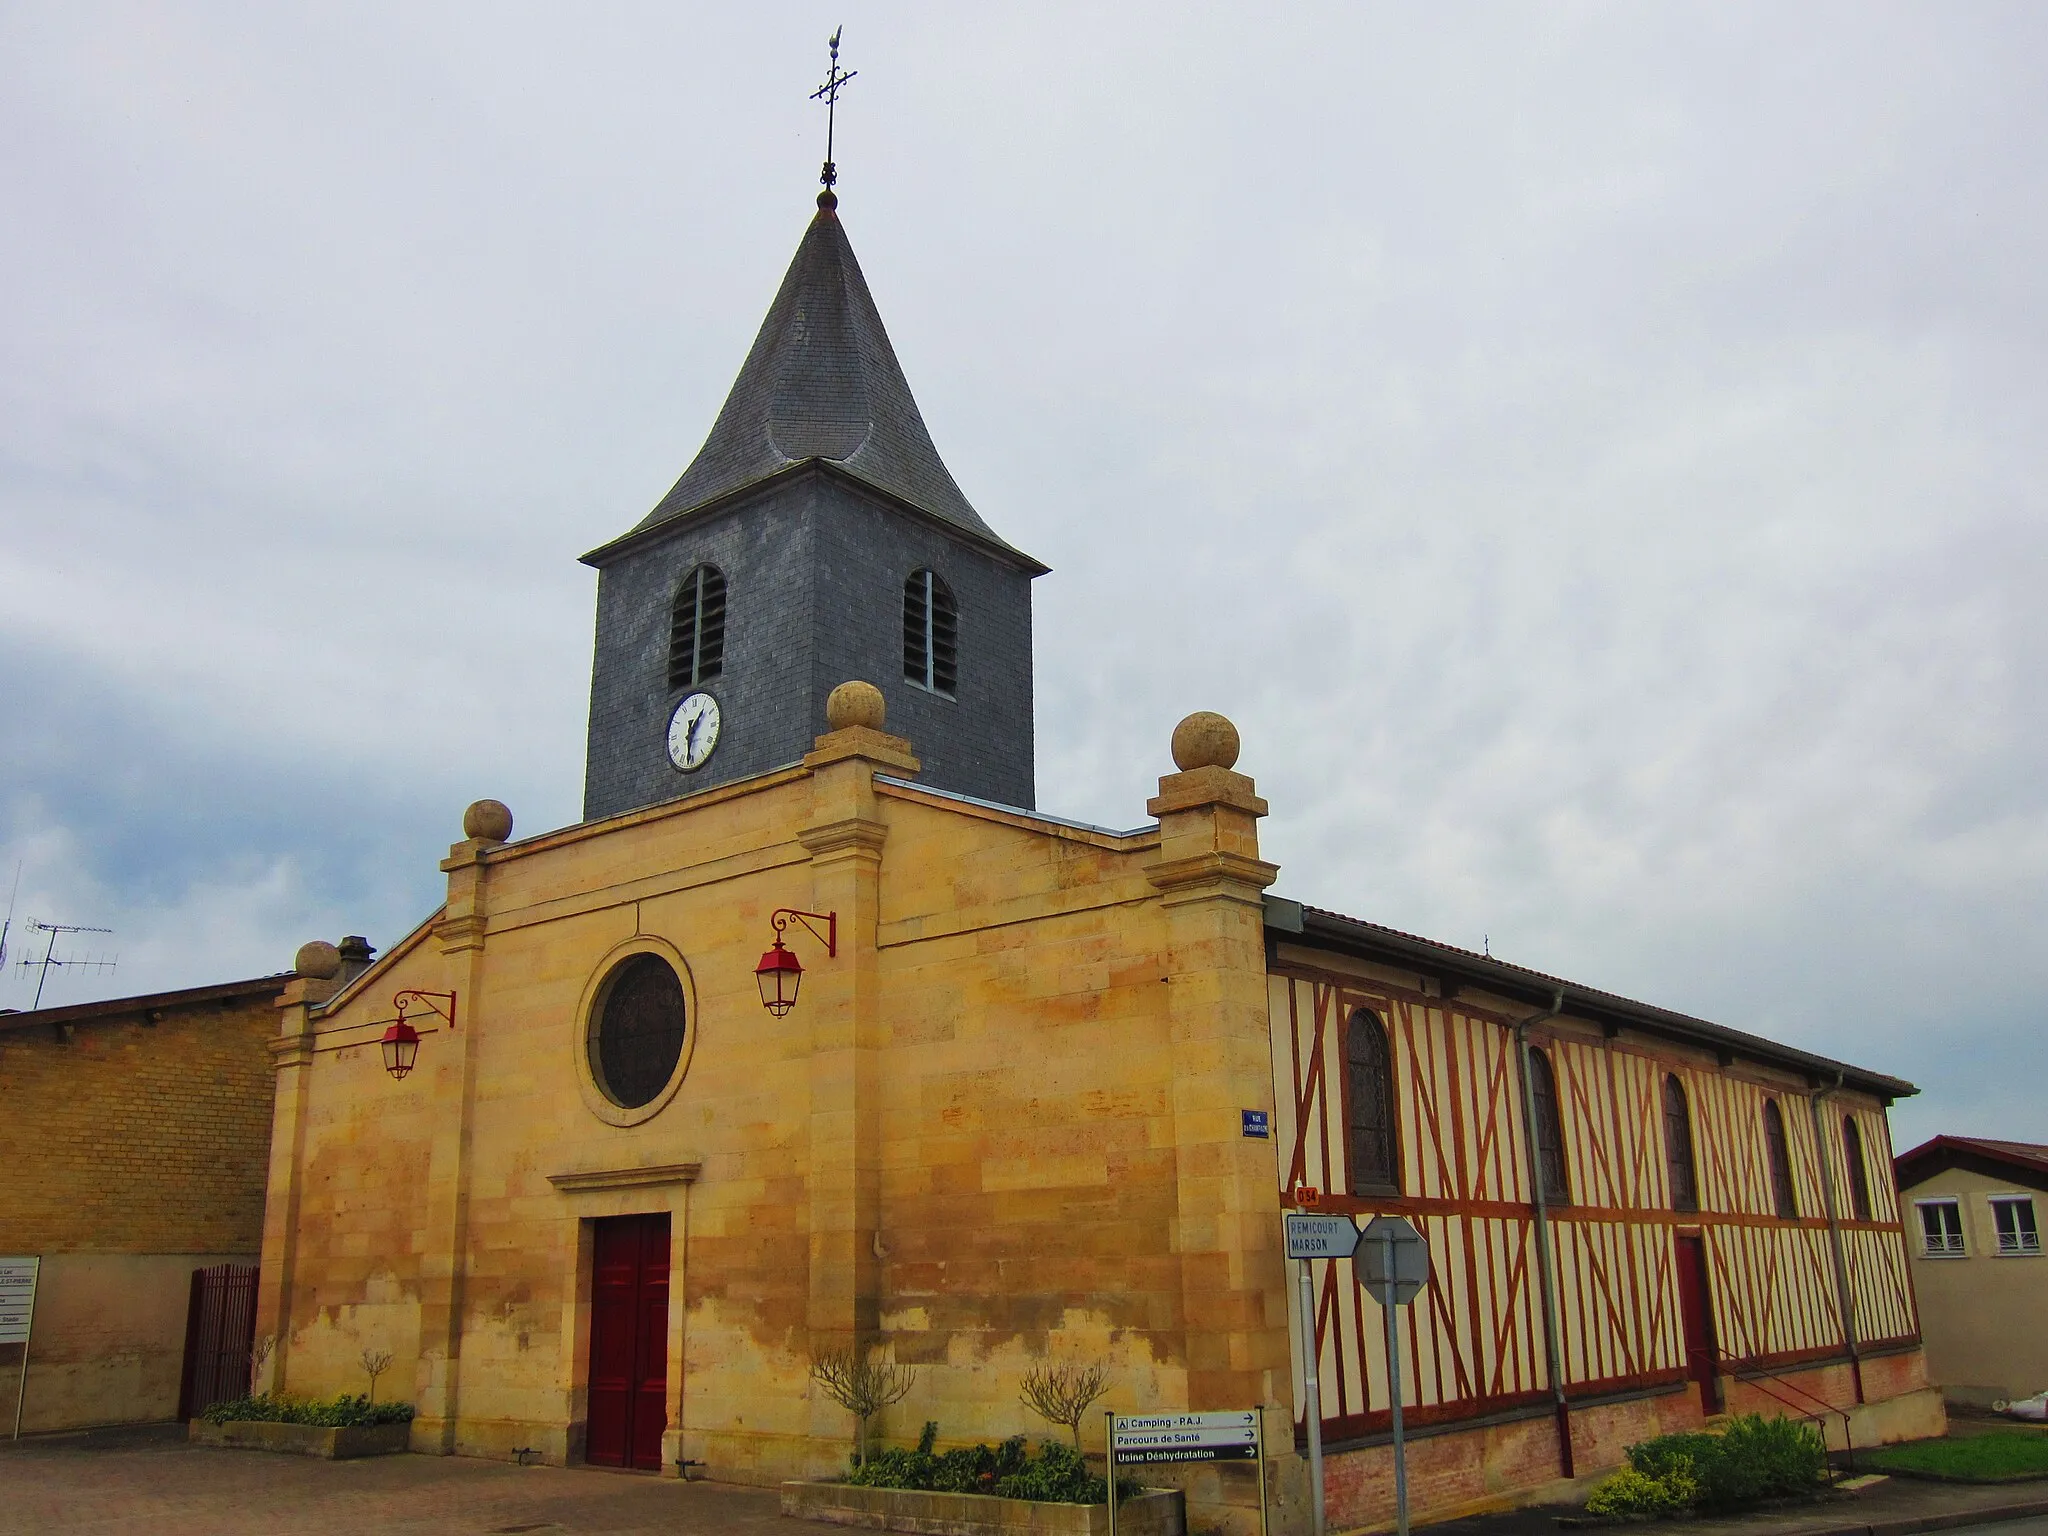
x=1780 y=1158
x=1557 y=1188
x=931 y=633
x=1859 y=1176
x=1685 y=1179
x=696 y=629
x=1369 y=1090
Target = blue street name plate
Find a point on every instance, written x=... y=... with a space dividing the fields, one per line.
x=1255 y=1123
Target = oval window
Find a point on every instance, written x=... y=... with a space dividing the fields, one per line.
x=636 y=1031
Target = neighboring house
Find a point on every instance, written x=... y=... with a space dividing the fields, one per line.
x=134 y=1137
x=1977 y=1209
x=1047 y=1090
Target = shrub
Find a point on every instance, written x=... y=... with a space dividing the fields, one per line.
x=348 y=1411
x=1633 y=1495
x=1059 y=1474
x=1754 y=1459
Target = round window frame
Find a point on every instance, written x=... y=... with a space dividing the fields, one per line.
x=589 y=1012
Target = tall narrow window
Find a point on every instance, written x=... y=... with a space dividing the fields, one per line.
x=696 y=629
x=1780 y=1158
x=1685 y=1183
x=1369 y=1091
x=1859 y=1176
x=1557 y=1188
x=931 y=633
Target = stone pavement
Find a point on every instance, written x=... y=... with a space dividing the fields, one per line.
x=149 y=1482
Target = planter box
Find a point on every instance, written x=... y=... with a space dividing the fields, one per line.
x=1156 y=1512
x=336 y=1443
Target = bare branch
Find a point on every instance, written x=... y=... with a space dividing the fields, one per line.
x=1060 y=1394
x=862 y=1383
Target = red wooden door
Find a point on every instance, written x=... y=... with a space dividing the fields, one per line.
x=628 y=1342
x=1696 y=1309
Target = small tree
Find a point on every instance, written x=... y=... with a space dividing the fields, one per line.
x=1060 y=1394
x=863 y=1384
x=376 y=1362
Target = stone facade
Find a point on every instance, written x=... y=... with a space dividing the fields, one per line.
x=136 y=1137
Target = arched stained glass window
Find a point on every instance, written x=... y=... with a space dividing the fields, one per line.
x=1678 y=1160
x=931 y=633
x=696 y=629
x=1780 y=1158
x=1369 y=1101
x=1859 y=1175
x=1557 y=1189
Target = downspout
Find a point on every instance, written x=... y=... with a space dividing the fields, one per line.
x=1553 y=1356
x=1845 y=1299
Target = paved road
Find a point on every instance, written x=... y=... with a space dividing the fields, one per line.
x=152 y=1482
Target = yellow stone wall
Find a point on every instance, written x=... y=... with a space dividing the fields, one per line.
x=1001 y=1125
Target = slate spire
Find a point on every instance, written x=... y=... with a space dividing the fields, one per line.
x=822 y=383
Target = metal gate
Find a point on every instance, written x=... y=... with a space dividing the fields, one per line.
x=220 y=1328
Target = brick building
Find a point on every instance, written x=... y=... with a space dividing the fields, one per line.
x=134 y=1135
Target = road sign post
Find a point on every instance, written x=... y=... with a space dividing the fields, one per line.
x=1311 y=1237
x=1151 y=1439
x=17 y=1317
x=1392 y=1261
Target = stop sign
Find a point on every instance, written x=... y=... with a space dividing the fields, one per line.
x=1392 y=1259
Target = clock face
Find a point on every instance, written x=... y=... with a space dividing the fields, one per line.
x=693 y=731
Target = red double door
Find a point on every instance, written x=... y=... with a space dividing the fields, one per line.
x=628 y=1342
x=1696 y=1313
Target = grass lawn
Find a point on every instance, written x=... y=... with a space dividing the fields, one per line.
x=1978 y=1458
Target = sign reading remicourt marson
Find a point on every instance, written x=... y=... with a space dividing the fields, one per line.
x=1165 y=1437
x=1320 y=1237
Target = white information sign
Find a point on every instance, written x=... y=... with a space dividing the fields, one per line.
x=1158 y=1437
x=1320 y=1237
x=17 y=1298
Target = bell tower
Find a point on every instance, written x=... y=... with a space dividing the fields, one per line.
x=816 y=537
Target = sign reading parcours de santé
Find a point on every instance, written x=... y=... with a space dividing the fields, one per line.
x=1232 y=1435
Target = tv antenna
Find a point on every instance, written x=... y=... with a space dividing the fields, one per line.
x=828 y=93
x=8 y=922
x=72 y=962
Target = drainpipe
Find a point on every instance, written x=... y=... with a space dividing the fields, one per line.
x=1845 y=1299
x=1552 y=1354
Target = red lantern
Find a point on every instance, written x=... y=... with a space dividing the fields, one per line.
x=401 y=1047
x=779 y=974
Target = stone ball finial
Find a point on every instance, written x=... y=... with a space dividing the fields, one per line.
x=856 y=703
x=1205 y=740
x=319 y=960
x=488 y=821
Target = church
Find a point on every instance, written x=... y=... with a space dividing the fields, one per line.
x=816 y=1033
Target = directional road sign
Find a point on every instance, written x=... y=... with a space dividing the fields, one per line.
x=1392 y=1256
x=1320 y=1237
x=1158 y=1437
x=17 y=1298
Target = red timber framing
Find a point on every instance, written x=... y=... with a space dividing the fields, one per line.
x=1474 y=1341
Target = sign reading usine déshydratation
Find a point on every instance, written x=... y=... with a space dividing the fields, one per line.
x=1160 y=1437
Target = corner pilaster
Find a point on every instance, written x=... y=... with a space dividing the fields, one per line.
x=292 y=1051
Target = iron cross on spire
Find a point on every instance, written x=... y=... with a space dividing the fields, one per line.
x=829 y=91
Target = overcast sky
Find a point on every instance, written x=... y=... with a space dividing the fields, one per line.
x=1595 y=453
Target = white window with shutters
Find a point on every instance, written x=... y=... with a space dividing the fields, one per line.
x=1941 y=1229
x=2012 y=1218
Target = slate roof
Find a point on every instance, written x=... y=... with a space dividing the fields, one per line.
x=822 y=384
x=2024 y=1162
x=1317 y=925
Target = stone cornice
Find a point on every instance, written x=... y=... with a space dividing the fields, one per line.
x=854 y=834
x=1220 y=874
x=581 y=1180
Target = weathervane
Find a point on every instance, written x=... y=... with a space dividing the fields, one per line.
x=829 y=91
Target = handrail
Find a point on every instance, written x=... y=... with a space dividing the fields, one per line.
x=1751 y=1370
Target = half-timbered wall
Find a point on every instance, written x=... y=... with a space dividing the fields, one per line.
x=1474 y=1341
